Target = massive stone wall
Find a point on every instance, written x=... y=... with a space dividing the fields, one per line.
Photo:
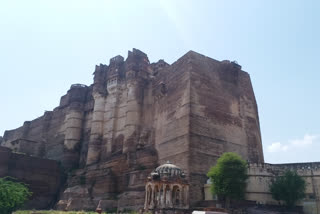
x=223 y=117
x=55 y=135
x=42 y=176
x=137 y=115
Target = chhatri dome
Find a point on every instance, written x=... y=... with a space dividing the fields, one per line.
x=167 y=170
x=167 y=188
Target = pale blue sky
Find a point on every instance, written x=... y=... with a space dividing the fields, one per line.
x=45 y=46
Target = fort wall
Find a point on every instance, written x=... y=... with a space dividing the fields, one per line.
x=43 y=177
x=262 y=175
x=137 y=115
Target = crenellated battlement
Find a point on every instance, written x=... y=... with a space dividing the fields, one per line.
x=287 y=166
x=137 y=54
x=108 y=76
x=116 y=60
x=100 y=68
x=261 y=175
x=77 y=85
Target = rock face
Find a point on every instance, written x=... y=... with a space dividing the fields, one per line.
x=137 y=115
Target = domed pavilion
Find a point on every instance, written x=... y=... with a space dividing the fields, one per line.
x=167 y=188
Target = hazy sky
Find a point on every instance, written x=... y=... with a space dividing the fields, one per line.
x=45 y=46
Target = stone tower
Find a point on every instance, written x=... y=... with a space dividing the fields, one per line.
x=137 y=115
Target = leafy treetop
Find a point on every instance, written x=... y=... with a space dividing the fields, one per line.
x=229 y=177
x=288 y=188
x=12 y=195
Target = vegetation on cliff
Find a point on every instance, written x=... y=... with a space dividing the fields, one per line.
x=63 y=212
x=54 y=212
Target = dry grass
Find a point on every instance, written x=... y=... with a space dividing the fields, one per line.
x=64 y=212
x=52 y=212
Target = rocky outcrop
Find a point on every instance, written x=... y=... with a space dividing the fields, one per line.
x=136 y=115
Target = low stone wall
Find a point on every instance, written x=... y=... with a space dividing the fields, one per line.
x=42 y=176
x=261 y=176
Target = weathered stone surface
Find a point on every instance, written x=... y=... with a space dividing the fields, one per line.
x=76 y=198
x=136 y=116
x=55 y=135
x=42 y=176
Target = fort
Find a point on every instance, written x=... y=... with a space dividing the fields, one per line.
x=108 y=137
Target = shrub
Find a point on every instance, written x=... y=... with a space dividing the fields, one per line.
x=288 y=188
x=229 y=177
x=13 y=194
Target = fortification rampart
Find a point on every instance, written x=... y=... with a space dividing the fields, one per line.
x=262 y=175
x=42 y=176
x=137 y=115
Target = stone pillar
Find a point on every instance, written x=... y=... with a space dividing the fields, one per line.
x=167 y=201
x=158 y=199
x=163 y=199
x=152 y=198
x=180 y=197
x=170 y=197
x=184 y=202
x=187 y=195
x=95 y=141
x=146 y=200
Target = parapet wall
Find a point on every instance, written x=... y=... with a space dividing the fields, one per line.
x=261 y=176
x=42 y=176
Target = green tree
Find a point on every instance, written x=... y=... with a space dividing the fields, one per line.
x=229 y=177
x=289 y=188
x=12 y=195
